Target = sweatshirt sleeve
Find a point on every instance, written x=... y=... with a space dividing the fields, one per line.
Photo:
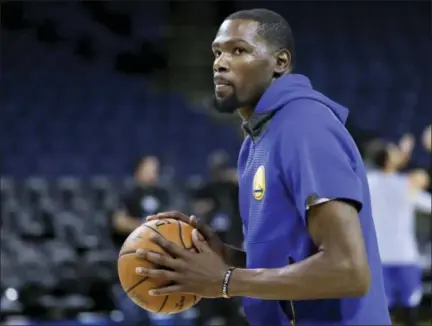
x=317 y=167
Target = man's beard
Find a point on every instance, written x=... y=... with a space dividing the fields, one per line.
x=228 y=104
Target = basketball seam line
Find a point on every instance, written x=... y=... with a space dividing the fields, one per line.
x=164 y=303
x=127 y=252
x=160 y=234
x=181 y=234
x=153 y=229
x=133 y=251
x=137 y=283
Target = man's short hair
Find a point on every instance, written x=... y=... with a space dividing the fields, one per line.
x=273 y=28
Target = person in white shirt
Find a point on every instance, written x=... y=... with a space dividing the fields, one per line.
x=395 y=199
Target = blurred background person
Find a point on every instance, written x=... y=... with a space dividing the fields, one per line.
x=87 y=87
x=396 y=196
x=216 y=201
x=145 y=197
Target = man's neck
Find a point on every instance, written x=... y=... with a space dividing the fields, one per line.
x=245 y=113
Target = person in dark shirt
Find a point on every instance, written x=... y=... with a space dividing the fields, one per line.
x=145 y=198
x=216 y=201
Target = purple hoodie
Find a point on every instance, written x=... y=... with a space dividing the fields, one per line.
x=298 y=146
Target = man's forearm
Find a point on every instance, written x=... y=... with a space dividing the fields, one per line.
x=314 y=278
x=234 y=256
x=124 y=223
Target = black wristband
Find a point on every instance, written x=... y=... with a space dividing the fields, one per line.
x=225 y=283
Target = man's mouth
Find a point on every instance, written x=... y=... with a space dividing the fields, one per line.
x=222 y=87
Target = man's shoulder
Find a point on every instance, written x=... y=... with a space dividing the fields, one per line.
x=310 y=124
x=314 y=123
x=309 y=113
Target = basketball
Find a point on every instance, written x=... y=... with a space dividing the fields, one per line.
x=136 y=286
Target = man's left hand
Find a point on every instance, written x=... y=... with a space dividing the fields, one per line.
x=200 y=273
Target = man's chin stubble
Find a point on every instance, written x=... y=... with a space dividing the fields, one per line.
x=226 y=106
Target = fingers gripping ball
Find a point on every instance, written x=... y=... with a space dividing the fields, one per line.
x=136 y=286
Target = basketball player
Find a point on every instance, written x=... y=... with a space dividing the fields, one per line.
x=395 y=198
x=311 y=251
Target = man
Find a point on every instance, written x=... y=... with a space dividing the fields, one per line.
x=311 y=250
x=216 y=202
x=146 y=197
x=395 y=198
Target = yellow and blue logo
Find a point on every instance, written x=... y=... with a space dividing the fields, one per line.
x=259 y=183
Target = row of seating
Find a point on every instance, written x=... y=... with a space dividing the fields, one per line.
x=68 y=116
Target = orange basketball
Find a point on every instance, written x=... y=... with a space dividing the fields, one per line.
x=137 y=286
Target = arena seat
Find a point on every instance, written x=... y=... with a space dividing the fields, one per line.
x=65 y=116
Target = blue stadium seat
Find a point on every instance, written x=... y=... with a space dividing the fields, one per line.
x=61 y=115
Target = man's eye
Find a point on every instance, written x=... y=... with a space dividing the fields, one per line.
x=238 y=51
x=217 y=54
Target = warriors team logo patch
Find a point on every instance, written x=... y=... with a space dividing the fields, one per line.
x=259 y=183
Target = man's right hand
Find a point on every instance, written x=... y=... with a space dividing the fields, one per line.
x=210 y=236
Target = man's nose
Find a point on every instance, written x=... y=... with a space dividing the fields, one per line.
x=221 y=64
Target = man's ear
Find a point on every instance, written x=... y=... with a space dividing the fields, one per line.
x=283 y=62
